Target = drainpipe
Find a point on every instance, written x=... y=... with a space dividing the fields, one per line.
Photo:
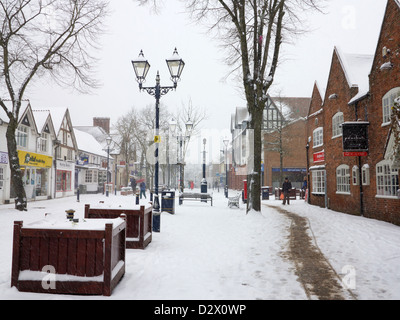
x=360 y=172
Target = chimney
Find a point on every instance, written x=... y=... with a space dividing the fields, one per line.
x=103 y=123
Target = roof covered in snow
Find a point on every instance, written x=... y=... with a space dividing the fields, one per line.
x=357 y=68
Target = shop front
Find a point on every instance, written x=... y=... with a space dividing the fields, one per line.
x=36 y=175
x=65 y=178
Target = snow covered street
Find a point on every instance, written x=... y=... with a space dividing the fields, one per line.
x=208 y=252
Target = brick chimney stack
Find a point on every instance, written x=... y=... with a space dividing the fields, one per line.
x=103 y=123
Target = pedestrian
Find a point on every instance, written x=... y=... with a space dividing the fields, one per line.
x=133 y=186
x=286 y=187
x=142 y=189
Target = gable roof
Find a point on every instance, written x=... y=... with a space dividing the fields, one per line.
x=356 y=68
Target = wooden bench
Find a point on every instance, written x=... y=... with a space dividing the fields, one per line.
x=194 y=196
x=62 y=257
x=139 y=222
x=234 y=201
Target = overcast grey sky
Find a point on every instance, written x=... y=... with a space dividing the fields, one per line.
x=353 y=25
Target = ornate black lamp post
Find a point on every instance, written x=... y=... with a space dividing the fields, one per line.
x=141 y=67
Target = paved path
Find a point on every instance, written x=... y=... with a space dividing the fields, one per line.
x=315 y=273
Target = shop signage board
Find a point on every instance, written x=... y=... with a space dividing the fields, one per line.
x=355 y=139
x=30 y=159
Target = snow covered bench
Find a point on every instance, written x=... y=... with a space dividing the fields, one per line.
x=62 y=257
x=139 y=222
x=234 y=201
x=195 y=196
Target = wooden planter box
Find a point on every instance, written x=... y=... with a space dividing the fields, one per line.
x=138 y=221
x=87 y=258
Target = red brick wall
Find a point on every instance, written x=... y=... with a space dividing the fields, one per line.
x=380 y=83
x=370 y=109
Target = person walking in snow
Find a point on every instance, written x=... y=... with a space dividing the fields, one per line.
x=133 y=186
x=286 y=187
x=142 y=189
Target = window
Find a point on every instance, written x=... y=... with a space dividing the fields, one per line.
x=355 y=176
x=318 y=181
x=318 y=137
x=343 y=179
x=388 y=103
x=1 y=178
x=43 y=142
x=337 y=120
x=22 y=136
x=387 y=179
x=365 y=175
x=63 y=180
x=88 y=176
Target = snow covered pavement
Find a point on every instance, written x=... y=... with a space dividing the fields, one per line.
x=213 y=252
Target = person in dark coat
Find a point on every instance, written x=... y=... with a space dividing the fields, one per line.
x=286 y=187
x=142 y=189
x=133 y=185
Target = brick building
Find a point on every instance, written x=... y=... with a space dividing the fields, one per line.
x=360 y=89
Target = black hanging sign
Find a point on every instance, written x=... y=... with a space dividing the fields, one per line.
x=355 y=138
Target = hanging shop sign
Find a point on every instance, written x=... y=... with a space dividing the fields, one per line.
x=30 y=159
x=355 y=138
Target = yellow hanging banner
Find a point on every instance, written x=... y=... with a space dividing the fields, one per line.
x=30 y=159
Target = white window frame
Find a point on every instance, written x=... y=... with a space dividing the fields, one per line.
x=343 y=179
x=355 y=172
x=337 y=120
x=22 y=136
x=366 y=177
x=89 y=176
x=388 y=103
x=43 y=142
x=318 y=137
x=387 y=180
x=318 y=181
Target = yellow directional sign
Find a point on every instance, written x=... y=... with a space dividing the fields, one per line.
x=157 y=139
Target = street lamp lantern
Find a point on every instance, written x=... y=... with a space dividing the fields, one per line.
x=108 y=141
x=175 y=66
x=141 y=67
x=189 y=126
x=173 y=125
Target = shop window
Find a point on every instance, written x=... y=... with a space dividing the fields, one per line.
x=63 y=181
x=318 y=181
x=343 y=179
x=387 y=179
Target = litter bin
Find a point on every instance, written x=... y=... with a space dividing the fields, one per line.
x=168 y=201
x=265 y=193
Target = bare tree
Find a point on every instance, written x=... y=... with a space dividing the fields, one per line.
x=38 y=38
x=252 y=31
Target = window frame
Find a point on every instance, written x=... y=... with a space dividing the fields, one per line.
x=388 y=103
x=318 y=178
x=387 y=180
x=337 y=120
x=343 y=179
x=318 y=137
